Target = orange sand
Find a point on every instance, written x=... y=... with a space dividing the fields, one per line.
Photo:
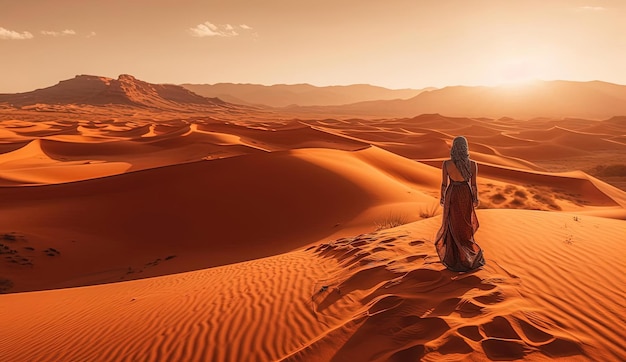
x=228 y=233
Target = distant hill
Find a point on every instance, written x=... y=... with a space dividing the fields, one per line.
x=591 y=100
x=555 y=99
x=281 y=95
x=125 y=90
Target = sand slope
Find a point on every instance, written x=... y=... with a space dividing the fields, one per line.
x=108 y=228
x=378 y=296
x=533 y=299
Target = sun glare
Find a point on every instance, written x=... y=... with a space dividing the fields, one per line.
x=523 y=71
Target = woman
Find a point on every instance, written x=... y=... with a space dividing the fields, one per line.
x=455 y=239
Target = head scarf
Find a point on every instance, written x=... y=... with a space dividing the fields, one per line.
x=459 y=153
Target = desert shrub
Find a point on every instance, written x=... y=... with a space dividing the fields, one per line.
x=429 y=210
x=390 y=221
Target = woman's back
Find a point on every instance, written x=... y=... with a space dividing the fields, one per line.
x=455 y=239
x=454 y=173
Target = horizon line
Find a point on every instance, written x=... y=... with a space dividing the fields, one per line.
x=502 y=84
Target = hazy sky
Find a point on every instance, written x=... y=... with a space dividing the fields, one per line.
x=391 y=43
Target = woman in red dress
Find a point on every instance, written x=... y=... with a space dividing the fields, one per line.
x=459 y=196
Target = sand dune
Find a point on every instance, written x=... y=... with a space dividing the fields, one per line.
x=219 y=232
x=394 y=304
x=378 y=296
x=30 y=164
x=228 y=205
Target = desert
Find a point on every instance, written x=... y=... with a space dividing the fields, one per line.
x=144 y=221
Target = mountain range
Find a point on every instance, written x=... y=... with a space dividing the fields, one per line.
x=282 y=95
x=560 y=99
x=126 y=90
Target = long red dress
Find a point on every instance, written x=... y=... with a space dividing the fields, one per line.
x=455 y=239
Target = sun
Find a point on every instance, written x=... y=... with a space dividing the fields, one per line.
x=522 y=71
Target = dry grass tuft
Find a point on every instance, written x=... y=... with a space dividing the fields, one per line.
x=391 y=221
x=429 y=211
